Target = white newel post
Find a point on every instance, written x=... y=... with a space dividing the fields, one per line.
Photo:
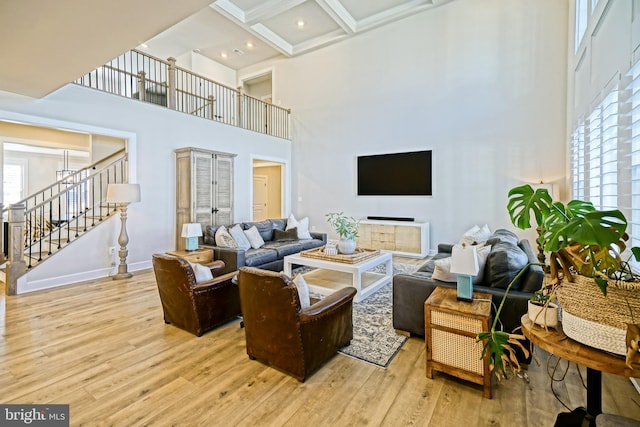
x=171 y=82
x=16 y=266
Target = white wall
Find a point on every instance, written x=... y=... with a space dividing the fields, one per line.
x=482 y=84
x=205 y=67
x=153 y=133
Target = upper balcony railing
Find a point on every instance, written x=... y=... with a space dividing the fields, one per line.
x=140 y=76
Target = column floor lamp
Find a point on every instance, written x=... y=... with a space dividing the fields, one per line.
x=123 y=194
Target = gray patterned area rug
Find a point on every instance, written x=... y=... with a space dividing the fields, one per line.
x=374 y=339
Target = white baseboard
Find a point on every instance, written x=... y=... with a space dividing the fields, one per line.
x=24 y=285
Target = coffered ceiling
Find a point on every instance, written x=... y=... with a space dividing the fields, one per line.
x=239 y=33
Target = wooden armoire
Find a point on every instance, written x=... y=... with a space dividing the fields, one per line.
x=204 y=189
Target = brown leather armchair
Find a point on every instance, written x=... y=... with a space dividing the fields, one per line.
x=195 y=307
x=281 y=334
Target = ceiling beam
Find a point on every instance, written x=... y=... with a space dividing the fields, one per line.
x=338 y=13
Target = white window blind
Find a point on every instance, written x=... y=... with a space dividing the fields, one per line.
x=610 y=122
x=634 y=154
x=594 y=154
x=577 y=162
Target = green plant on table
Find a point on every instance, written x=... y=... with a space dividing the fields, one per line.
x=542 y=296
x=581 y=239
x=346 y=226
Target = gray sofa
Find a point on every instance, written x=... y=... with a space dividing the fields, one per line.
x=411 y=290
x=268 y=257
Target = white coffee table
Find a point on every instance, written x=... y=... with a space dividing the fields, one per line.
x=333 y=275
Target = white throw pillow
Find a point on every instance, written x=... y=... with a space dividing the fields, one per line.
x=442 y=271
x=224 y=239
x=476 y=235
x=302 y=226
x=241 y=239
x=254 y=237
x=202 y=273
x=303 y=291
x=483 y=254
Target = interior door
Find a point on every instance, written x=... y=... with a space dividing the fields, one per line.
x=202 y=188
x=223 y=191
x=260 y=197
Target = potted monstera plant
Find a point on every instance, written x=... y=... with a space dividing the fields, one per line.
x=589 y=263
x=591 y=276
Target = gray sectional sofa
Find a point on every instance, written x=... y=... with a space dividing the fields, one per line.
x=411 y=290
x=277 y=245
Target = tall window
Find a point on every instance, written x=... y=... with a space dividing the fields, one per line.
x=634 y=153
x=582 y=17
x=13 y=182
x=605 y=152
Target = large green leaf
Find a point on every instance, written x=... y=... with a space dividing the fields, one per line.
x=561 y=214
x=495 y=343
x=579 y=208
x=601 y=228
x=523 y=201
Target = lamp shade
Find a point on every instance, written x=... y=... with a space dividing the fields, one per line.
x=123 y=193
x=191 y=230
x=464 y=260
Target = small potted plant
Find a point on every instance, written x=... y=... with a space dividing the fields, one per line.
x=347 y=228
x=542 y=310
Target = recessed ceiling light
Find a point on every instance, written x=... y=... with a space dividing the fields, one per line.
x=196 y=50
x=223 y=54
x=144 y=45
x=249 y=45
x=300 y=23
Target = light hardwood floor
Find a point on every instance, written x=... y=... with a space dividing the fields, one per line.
x=102 y=347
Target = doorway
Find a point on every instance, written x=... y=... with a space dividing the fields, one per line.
x=267 y=189
x=260 y=86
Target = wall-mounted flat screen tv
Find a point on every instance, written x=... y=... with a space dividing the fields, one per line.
x=395 y=174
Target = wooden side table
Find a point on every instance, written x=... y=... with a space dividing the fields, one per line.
x=201 y=255
x=596 y=361
x=451 y=327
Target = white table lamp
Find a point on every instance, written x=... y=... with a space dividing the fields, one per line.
x=464 y=263
x=123 y=194
x=191 y=232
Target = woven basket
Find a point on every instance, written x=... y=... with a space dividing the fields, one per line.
x=596 y=320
